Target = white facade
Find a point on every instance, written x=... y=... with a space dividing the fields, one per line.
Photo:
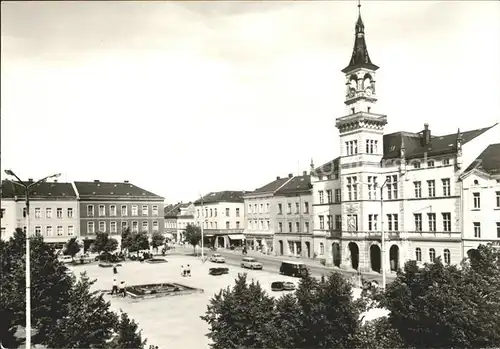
x=259 y=222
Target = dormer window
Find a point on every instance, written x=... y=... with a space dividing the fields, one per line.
x=430 y=163
x=446 y=161
x=416 y=164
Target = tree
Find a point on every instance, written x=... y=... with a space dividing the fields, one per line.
x=127 y=335
x=238 y=316
x=157 y=240
x=193 y=235
x=138 y=241
x=72 y=248
x=126 y=238
x=447 y=306
x=104 y=243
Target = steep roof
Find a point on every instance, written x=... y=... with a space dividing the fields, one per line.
x=328 y=168
x=488 y=160
x=296 y=184
x=44 y=190
x=414 y=147
x=222 y=196
x=272 y=186
x=172 y=210
x=109 y=190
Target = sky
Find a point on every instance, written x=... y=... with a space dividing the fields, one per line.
x=185 y=98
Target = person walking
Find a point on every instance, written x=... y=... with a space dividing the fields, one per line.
x=122 y=289
x=115 y=269
x=115 y=287
x=188 y=270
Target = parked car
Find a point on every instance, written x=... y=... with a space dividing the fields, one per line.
x=65 y=259
x=217 y=258
x=251 y=263
x=282 y=286
x=218 y=271
x=293 y=268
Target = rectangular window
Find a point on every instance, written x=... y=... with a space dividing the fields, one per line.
x=124 y=210
x=372 y=188
x=329 y=221
x=102 y=210
x=48 y=213
x=145 y=210
x=48 y=230
x=261 y=208
x=337 y=195
x=211 y=212
x=250 y=208
x=112 y=210
x=416 y=164
x=321 y=222
x=215 y=212
x=329 y=195
x=38 y=230
x=38 y=212
x=446 y=221
x=418 y=221
x=255 y=208
x=90 y=210
x=297 y=208
x=306 y=207
x=372 y=222
x=477 y=229
x=306 y=227
x=135 y=227
x=70 y=212
x=498 y=199
x=280 y=227
x=227 y=212
x=352 y=222
x=418 y=254
x=477 y=200
x=228 y=225
x=432 y=221
x=430 y=163
x=124 y=225
x=418 y=189
x=321 y=197
x=135 y=210
x=155 y=226
x=112 y=227
x=60 y=230
x=71 y=230
x=280 y=209
x=289 y=227
x=297 y=227
x=59 y=212
x=446 y=161
x=352 y=188
x=392 y=187
x=268 y=225
x=446 y=186
x=268 y=207
x=145 y=227
x=90 y=228
x=261 y=225
x=498 y=229
x=237 y=212
x=431 y=185
x=338 y=222
x=237 y=225
x=289 y=210
x=155 y=210
x=102 y=226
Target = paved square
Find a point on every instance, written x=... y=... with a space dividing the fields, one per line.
x=173 y=321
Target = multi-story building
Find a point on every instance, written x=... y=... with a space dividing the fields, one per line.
x=260 y=213
x=481 y=200
x=419 y=206
x=293 y=219
x=221 y=214
x=113 y=206
x=177 y=217
x=53 y=211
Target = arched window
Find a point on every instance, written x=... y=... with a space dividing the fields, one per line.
x=321 y=248
x=418 y=254
x=447 y=256
x=432 y=255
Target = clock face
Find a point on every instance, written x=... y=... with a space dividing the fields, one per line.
x=352 y=92
x=368 y=91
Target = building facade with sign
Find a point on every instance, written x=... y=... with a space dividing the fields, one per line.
x=406 y=184
x=110 y=207
x=222 y=216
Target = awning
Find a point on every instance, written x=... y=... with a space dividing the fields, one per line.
x=237 y=237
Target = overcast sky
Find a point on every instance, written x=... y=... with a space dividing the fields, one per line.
x=183 y=98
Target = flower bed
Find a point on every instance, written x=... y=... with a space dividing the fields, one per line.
x=157 y=260
x=160 y=290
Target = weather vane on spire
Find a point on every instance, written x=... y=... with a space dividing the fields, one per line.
x=359 y=7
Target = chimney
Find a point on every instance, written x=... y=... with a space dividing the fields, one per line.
x=30 y=180
x=125 y=181
x=290 y=175
x=55 y=180
x=304 y=173
x=96 y=181
x=278 y=177
x=426 y=135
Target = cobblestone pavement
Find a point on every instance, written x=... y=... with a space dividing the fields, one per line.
x=174 y=321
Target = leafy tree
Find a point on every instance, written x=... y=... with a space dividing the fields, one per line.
x=138 y=241
x=193 y=235
x=126 y=238
x=238 y=316
x=104 y=243
x=72 y=248
x=157 y=240
x=447 y=306
x=127 y=335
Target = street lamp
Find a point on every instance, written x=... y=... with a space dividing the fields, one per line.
x=27 y=188
x=202 y=222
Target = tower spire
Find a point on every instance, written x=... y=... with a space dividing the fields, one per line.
x=360 y=57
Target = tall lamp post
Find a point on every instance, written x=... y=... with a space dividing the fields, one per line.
x=202 y=222
x=27 y=188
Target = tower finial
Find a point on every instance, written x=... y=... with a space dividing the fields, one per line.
x=359 y=7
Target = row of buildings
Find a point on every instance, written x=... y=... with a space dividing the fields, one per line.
x=432 y=195
x=60 y=211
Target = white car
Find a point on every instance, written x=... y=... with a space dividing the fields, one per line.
x=65 y=259
x=217 y=258
x=251 y=263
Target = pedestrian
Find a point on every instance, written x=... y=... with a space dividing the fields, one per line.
x=115 y=269
x=183 y=271
x=115 y=287
x=188 y=271
x=122 y=289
